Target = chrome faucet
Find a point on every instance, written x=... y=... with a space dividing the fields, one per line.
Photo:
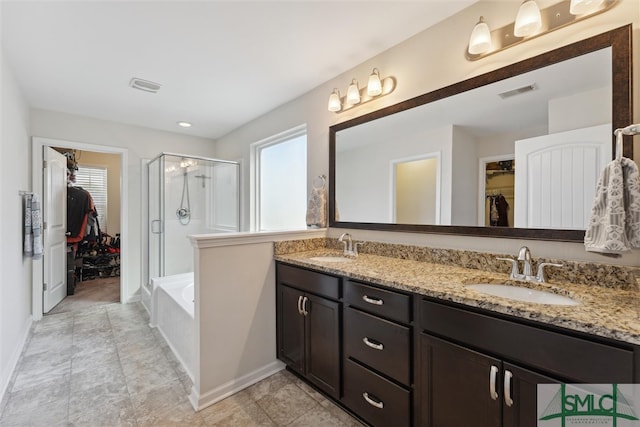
x=350 y=249
x=524 y=255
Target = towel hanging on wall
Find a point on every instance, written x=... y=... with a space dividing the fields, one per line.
x=614 y=225
x=317 y=205
x=32 y=226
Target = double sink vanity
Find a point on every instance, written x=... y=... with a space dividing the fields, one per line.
x=410 y=340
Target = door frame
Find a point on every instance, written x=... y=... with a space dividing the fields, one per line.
x=482 y=183
x=437 y=155
x=37 y=145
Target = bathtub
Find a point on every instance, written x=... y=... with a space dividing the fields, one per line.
x=172 y=308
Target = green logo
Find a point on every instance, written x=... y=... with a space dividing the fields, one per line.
x=586 y=404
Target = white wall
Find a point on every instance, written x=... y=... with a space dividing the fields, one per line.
x=141 y=143
x=428 y=61
x=581 y=110
x=235 y=312
x=15 y=270
x=464 y=178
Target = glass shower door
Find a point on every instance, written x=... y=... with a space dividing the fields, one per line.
x=155 y=221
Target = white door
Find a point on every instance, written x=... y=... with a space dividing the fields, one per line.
x=556 y=177
x=55 y=221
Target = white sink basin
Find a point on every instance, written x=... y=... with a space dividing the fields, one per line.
x=330 y=259
x=523 y=294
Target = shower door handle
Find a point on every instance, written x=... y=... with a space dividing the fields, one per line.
x=159 y=228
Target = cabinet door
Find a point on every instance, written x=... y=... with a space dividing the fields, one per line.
x=457 y=385
x=323 y=343
x=290 y=328
x=520 y=396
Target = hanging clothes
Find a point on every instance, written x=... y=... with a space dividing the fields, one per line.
x=498 y=211
x=79 y=207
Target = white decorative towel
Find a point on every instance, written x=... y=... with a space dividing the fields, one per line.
x=614 y=225
x=317 y=208
x=28 y=237
x=36 y=226
x=32 y=227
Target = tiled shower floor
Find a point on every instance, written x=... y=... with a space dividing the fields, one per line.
x=106 y=367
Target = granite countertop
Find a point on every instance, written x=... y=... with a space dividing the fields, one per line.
x=605 y=312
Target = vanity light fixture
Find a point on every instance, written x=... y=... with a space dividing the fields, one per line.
x=480 y=40
x=528 y=20
x=353 y=93
x=531 y=22
x=376 y=87
x=334 y=101
x=581 y=7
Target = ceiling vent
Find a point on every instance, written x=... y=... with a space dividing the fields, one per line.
x=519 y=91
x=145 y=85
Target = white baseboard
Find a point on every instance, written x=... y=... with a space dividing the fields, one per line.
x=201 y=401
x=7 y=372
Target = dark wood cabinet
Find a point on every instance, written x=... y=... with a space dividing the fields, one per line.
x=402 y=359
x=308 y=331
x=378 y=367
x=462 y=387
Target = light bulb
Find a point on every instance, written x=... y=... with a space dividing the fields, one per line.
x=353 y=93
x=583 y=7
x=528 y=20
x=374 y=86
x=480 y=40
x=334 y=101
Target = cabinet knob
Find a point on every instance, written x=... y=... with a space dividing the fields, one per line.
x=372 y=300
x=493 y=374
x=373 y=401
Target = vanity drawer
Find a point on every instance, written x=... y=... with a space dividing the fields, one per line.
x=383 y=345
x=307 y=280
x=389 y=304
x=563 y=356
x=377 y=400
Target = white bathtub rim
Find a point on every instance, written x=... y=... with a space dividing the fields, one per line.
x=157 y=282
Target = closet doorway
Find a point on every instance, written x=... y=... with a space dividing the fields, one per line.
x=96 y=270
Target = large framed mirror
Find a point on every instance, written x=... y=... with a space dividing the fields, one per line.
x=512 y=153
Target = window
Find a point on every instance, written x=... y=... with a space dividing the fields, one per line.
x=94 y=180
x=280 y=181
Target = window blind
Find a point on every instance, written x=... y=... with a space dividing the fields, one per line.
x=94 y=180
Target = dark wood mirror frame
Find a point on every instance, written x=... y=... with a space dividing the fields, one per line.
x=618 y=39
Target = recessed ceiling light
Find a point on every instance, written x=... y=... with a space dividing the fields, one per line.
x=184 y=124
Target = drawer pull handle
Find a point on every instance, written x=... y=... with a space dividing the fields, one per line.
x=376 y=345
x=370 y=300
x=304 y=306
x=507 y=388
x=492 y=382
x=373 y=401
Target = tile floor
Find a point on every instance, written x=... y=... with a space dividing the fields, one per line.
x=106 y=367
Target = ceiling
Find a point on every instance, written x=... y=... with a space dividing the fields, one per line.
x=220 y=63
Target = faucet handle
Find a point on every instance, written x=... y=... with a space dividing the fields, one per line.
x=540 y=277
x=355 y=247
x=514 y=266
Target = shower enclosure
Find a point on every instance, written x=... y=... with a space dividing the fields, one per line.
x=187 y=195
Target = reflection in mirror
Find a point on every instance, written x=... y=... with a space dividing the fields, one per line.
x=451 y=160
